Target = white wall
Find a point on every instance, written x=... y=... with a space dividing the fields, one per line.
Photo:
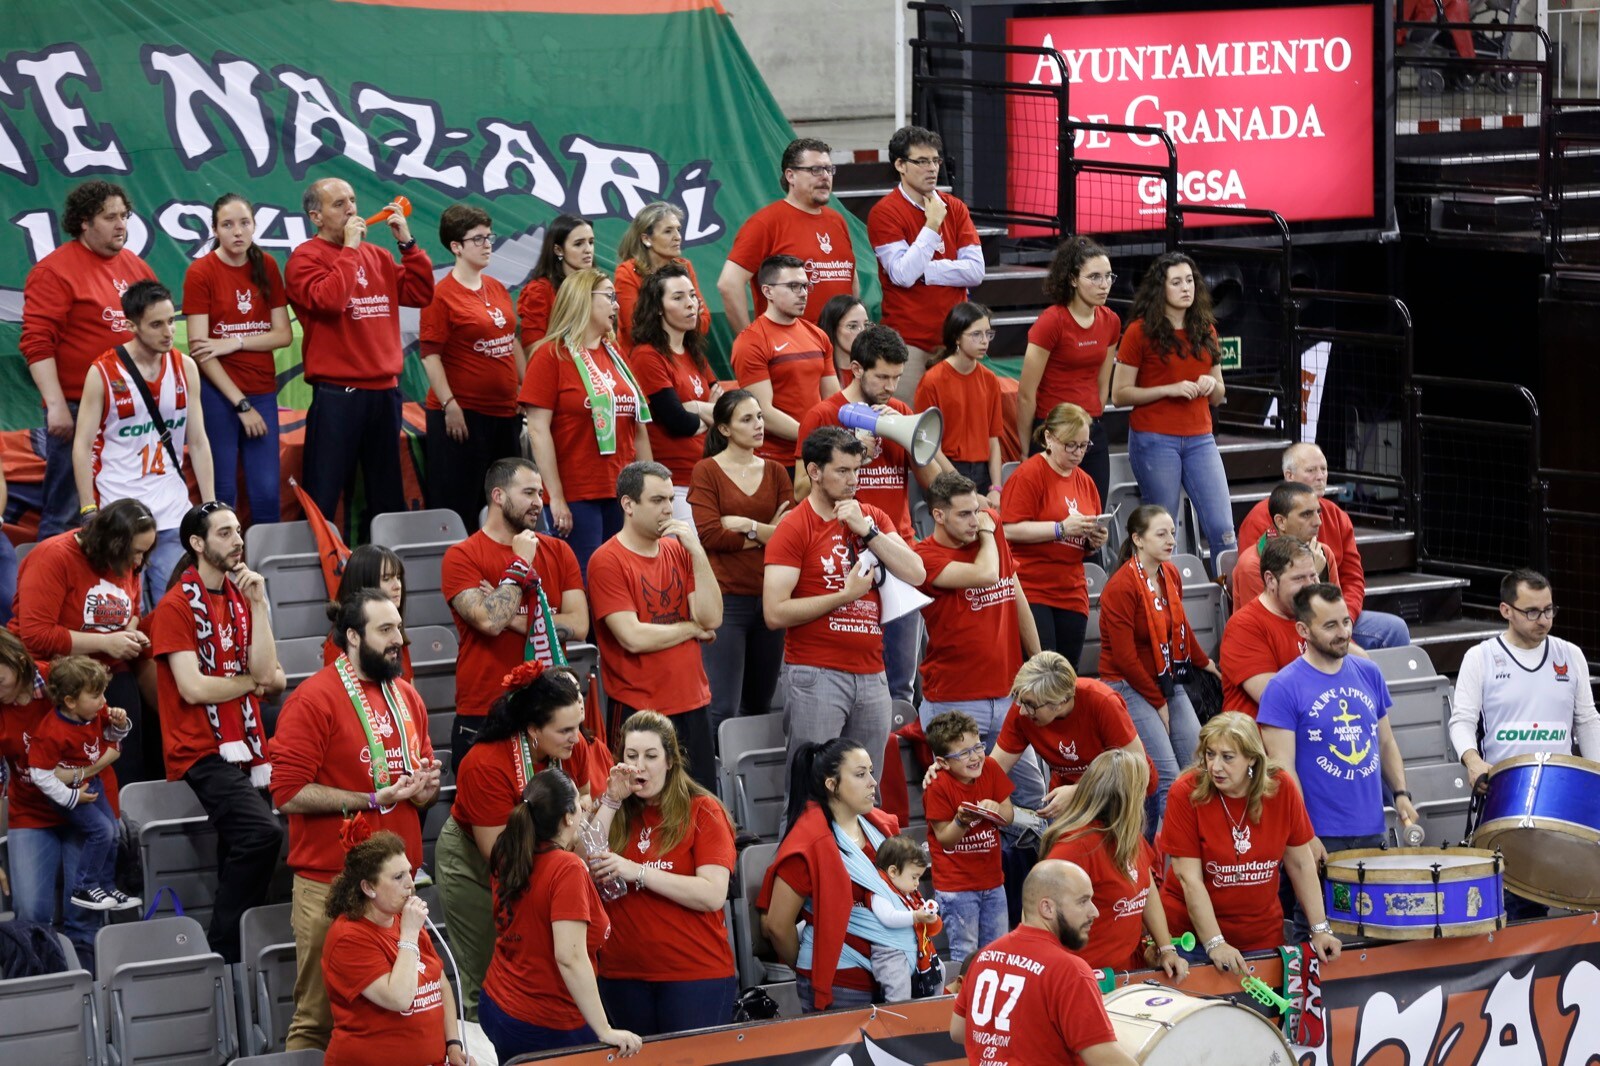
x=823 y=59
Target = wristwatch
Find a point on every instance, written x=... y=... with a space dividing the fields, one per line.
x=750 y=534
x=1322 y=927
x=872 y=531
x=243 y=405
x=406 y=246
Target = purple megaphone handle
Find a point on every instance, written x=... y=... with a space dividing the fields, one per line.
x=858 y=416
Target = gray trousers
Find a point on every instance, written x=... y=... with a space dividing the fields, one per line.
x=822 y=704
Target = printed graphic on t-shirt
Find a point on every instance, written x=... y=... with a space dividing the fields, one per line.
x=1350 y=737
x=106 y=608
x=664 y=606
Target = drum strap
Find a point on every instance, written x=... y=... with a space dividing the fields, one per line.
x=1474 y=814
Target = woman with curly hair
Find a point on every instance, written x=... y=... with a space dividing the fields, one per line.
x=669 y=357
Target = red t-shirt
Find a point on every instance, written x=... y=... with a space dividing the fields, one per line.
x=663 y=370
x=1180 y=418
x=554 y=383
x=1072 y=373
x=28 y=807
x=918 y=311
x=57 y=741
x=973 y=864
x=959 y=620
x=486 y=785
x=475 y=336
x=235 y=306
x=882 y=482
x=186 y=733
x=1028 y=1001
x=821 y=241
x=794 y=358
x=628 y=281
x=1240 y=868
x=484 y=660
x=1097 y=722
x=1126 y=650
x=523 y=978
x=848 y=638
x=659 y=940
x=970 y=404
x=1247 y=582
x=320 y=738
x=657 y=590
x=348 y=302
x=533 y=309
x=59 y=593
x=1121 y=894
x=357 y=953
x=1256 y=641
x=1052 y=572
x=72 y=309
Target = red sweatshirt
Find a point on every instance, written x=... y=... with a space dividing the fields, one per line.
x=1338 y=538
x=348 y=303
x=72 y=309
x=1126 y=652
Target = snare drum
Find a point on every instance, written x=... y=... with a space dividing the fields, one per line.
x=1543 y=814
x=1161 y=1026
x=1414 y=893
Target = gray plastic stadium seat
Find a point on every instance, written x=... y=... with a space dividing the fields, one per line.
x=584 y=659
x=1006 y=470
x=434 y=650
x=285 y=553
x=177 y=844
x=1202 y=602
x=266 y=992
x=167 y=996
x=54 y=1018
x=1441 y=793
x=1095 y=579
x=304 y=1057
x=300 y=657
x=1421 y=713
x=433 y=820
x=421 y=538
x=752 y=944
x=760 y=780
x=746 y=732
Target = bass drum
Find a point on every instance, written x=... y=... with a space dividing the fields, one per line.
x=1543 y=814
x=1160 y=1026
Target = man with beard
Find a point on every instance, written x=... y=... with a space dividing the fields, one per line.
x=877 y=361
x=216 y=661
x=1026 y=998
x=1325 y=719
x=657 y=601
x=511 y=591
x=351 y=756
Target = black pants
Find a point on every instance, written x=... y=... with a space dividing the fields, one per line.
x=141 y=758
x=249 y=840
x=694 y=737
x=456 y=469
x=978 y=472
x=346 y=428
x=1060 y=630
x=464 y=732
x=1096 y=461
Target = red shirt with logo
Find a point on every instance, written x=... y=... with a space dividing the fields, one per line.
x=1256 y=641
x=1097 y=722
x=971 y=406
x=959 y=620
x=655 y=939
x=821 y=241
x=357 y=953
x=794 y=358
x=881 y=482
x=475 y=336
x=1238 y=858
x=1121 y=894
x=348 y=302
x=486 y=785
x=1171 y=415
x=657 y=591
x=554 y=383
x=484 y=660
x=72 y=309
x=533 y=309
x=1052 y=571
x=320 y=739
x=523 y=978
x=659 y=370
x=972 y=864
x=59 y=593
x=186 y=733
x=28 y=808
x=1028 y=1001
x=848 y=638
x=1072 y=374
x=917 y=312
x=235 y=306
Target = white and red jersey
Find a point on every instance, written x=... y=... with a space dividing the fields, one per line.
x=130 y=462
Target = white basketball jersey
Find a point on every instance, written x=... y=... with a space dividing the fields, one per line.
x=130 y=462
x=1528 y=702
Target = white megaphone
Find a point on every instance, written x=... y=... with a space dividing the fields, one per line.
x=918 y=434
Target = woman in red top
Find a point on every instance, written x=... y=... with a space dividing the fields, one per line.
x=667 y=967
x=669 y=357
x=737 y=498
x=1169 y=371
x=1048 y=508
x=1232 y=818
x=391 y=1004
x=1102 y=830
x=371 y=566
x=1072 y=348
x=469 y=349
x=586 y=414
x=823 y=870
x=238 y=315
x=968 y=395
x=654 y=240
x=568 y=248
x=1148 y=650
x=842 y=319
x=540 y=993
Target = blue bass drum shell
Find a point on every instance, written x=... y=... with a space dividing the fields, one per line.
x=1543 y=814
x=1398 y=894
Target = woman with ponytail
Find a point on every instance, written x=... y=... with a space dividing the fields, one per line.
x=540 y=993
x=823 y=873
x=238 y=317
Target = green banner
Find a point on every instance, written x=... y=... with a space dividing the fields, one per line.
x=528 y=108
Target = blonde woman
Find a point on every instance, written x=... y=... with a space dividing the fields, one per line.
x=654 y=239
x=586 y=414
x=1102 y=830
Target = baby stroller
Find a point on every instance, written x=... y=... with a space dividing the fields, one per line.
x=1488 y=39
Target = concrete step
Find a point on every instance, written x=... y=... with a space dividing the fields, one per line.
x=1448 y=641
x=1417 y=597
x=1250 y=459
x=1014 y=288
x=1383 y=550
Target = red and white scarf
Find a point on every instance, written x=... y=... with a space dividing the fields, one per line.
x=237 y=723
x=1169 y=626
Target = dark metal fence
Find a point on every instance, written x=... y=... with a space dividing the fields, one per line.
x=1571 y=521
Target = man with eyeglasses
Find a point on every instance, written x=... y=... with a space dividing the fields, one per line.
x=802 y=225
x=927 y=248
x=785 y=362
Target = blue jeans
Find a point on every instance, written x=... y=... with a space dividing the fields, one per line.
x=59 y=512
x=513 y=1036
x=651 y=1008
x=1026 y=779
x=593 y=523
x=1170 y=748
x=1380 y=629
x=852 y=998
x=1163 y=463
x=230 y=447
x=1302 y=928
x=742 y=664
x=902 y=639
x=972 y=920
x=45 y=864
x=8 y=578
x=96 y=830
x=159 y=562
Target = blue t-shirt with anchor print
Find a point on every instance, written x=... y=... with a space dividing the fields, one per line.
x=1334 y=718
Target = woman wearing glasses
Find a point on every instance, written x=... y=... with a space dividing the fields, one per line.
x=653 y=240
x=968 y=395
x=469 y=349
x=586 y=414
x=1048 y=509
x=1071 y=349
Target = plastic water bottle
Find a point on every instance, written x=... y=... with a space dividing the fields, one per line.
x=595 y=845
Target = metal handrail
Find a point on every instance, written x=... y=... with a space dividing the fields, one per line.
x=924 y=8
